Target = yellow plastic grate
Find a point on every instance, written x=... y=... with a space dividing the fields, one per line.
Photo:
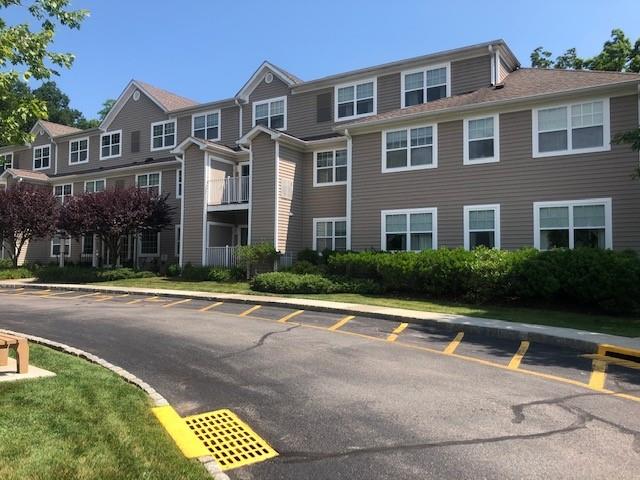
x=231 y=442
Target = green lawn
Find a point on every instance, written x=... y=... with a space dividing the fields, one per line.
x=626 y=326
x=85 y=423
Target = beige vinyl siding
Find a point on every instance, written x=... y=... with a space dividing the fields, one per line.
x=263 y=192
x=503 y=70
x=516 y=182
x=42 y=139
x=194 y=201
x=228 y=124
x=470 y=74
x=389 y=92
x=21 y=158
x=302 y=121
x=63 y=155
x=277 y=88
x=319 y=202
x=290 y=210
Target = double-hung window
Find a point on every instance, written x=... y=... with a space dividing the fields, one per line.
x=481 y=140
x=149 y=182
x=63 y=192
x=409 y=230
x=179 y=183
x=41 y=157
x=57 y=245
x=573 y=224
x=409 y=148
x=574 y=128
x=78 y=151
x=329 y=234
x=93 y=186
x=6 y=161
x=425 y=85
x=163 y=135
x=355 y=100
x=330 y=168
x=206 y=125
x=87 y=245
x=149 y=243
x=482 y=226
x=110 y=145
x=271 y=113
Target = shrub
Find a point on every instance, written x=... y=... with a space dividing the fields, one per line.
x=195 y=273
x=174 y=270
x=15 y=273
x=78 y=274
x=215 y=274
x=304 y=266
x=285 y=282
x=5 y=263
x=309 y=256
x=251 y=257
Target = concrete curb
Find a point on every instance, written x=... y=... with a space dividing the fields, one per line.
x=565 y=337
x=158 y=400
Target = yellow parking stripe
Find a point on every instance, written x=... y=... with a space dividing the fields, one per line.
x=399 y=329
x=454 y=344
x=95 y=294
x=252 y=309
x=104 y=299
x=122 y=296
x=151 y=299
x=58 y=294
x=34 y=293
x=341 y=323
x=213 y=305
x=179 y=302
x=133 y=302
x=289 y=316
x=598 y=375
x=517 y=358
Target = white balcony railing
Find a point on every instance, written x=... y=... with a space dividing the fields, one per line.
x=225 y=191
x=222 y=257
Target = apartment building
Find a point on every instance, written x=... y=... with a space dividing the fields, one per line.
x=453 y=149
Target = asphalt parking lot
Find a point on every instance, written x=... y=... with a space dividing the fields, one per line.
x=356 y=397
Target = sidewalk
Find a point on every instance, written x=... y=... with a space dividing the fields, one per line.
x=568 y=337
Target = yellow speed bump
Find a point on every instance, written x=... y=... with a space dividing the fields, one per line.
x=187 y=442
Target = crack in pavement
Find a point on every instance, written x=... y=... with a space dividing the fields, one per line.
x=258 y=344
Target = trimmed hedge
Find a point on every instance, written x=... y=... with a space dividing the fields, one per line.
x=15 y=273
x=203 y=274
x=287 y=282
x=79 y=274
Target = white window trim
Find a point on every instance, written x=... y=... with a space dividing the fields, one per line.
x=148 y=255
x=63 y=195
x=82 y=244
x=606 y=129
x=66 y=241
x=315 y=169
x=175 y=135
x=200 y=114
x=179 y=182
x=112 y=132
x=608 y=224
x=446 y=65
x=146 y=175
x=42 y=147
x=5 y=155
x=177 y=237
x=496 y=141
x=78 y=140
x=333 y=237
x=268 y=102
x=496 y=223
x=355 y=89
x=96 y=180
x=406 y=211
x=434 y=164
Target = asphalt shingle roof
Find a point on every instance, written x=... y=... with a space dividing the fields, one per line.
x=170 y=101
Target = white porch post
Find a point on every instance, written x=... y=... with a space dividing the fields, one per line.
x=94 y=254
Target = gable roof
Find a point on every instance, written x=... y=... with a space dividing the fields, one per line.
x=520 y=85
x=25 y=174
x=256 y=78
x=54 y=129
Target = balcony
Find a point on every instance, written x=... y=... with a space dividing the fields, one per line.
x=229 y=191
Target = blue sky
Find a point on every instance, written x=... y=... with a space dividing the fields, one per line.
x=207 y=49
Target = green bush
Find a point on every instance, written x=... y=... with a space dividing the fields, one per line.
x=309 y=256
x=304 y=266
x=215 y=274
x=80 y=274
x=174 y=270
x=253 y=257
x=5 y=263
x=15 y=273
x=287 y=282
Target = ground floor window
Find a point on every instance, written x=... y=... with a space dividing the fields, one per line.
x=149 y=243
x=329 y=234
x=56 y=245
x=482 y=226
x=409 y=230
x=573 y=224
x=87 y=245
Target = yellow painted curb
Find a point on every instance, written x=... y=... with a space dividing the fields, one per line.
x=188 y=443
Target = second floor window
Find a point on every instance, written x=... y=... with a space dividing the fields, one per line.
x=62 y=192
x=94 y=186
x=41 y=157
x=330 y=167
x=78 y=151
x=409 y=148
x=6 y=161
x=481 y=141
x=425 y=85
x=110 y=145
x=163 y=135
x=355 y=100
x=149 y=182
x=271 y=113
x=207 y=126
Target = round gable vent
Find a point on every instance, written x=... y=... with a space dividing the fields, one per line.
x=41 y=132
x=136 y=95
x=268 y=78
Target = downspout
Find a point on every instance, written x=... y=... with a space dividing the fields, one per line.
x=349 y=184
x=239 y=105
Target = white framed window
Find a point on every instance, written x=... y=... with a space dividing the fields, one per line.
x=78 y=151
x=426 y=84
x=572 y=224
x=87 y=244
x=271 y=113
x=163 y=135
x=571 y=128
x=411 y=148
x=56 y=243
x=354 y=100
x=179 y=183
x=330 y=234
x=42 y=157
x=110 y=145
x=62 y=192
x=150 y=182
x=330 y=167
x=481 y=140
x=482 y=226
x=6 y=160
x=149 y=244
x=93 y=186
x=206 y=125
x=409 y=230
x=178 y=231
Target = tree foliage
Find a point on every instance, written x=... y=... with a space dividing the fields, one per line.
x=107 y=105
x=25 y=54
x=26 y=212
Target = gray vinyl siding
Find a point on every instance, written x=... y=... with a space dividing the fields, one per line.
x=319 y=202
x=290 y=211
x=389 y=92
x=194 y=201
x=21 y=158
x=516 y=182
x=94 y=153
x=228 y=125
x=277 y=88
x=302 y=121
x=262 y=189
x=470 y=74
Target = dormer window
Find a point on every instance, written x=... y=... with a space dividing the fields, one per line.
x=425 y=85
x=78 y=151
x=42 y=157
x=355 y=100
x=271 y=113
x=206 y=125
